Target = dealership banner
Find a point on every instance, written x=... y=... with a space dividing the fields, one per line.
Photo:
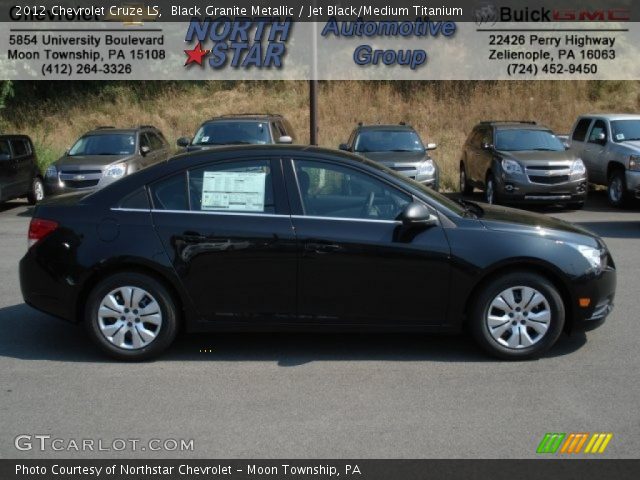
x=316 y=469
x=313 y=39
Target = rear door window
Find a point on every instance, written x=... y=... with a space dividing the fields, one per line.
x=580 y=132
x=244 y=186
x=4 y=148
x=20 y=147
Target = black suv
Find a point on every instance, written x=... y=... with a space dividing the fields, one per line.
x=240 y=129
x=521 y=162
x=19 y=172
x=398 y=147
x=104 y=155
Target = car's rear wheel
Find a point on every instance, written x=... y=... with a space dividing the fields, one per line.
x=490 y=195
x=36 y=193
x=465 y=187
x=131 y=316
x=517 y=316
x=617 y=188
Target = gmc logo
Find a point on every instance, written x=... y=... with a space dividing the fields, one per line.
x=611 y=15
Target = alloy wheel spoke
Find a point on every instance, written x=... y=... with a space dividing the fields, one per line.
x=146 y=335
x=112 y=304
x=109 y=330
x=542 y=317
x=540 y=328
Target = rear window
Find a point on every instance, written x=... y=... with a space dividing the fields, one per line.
x=20 y=147
x=580 y=131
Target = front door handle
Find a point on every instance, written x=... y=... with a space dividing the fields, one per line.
x=321 y=248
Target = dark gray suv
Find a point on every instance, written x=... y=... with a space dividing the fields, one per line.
x=521 y=162
x=240 y=129
x=398 y=147
x=19 y=172
x=104 y=155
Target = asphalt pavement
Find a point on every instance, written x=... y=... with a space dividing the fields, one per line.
x=321 y=395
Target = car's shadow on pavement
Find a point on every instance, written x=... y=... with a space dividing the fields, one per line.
x=31 y=335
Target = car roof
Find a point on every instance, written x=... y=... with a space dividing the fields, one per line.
x=245 y=117
x=513 y=125
x=111 y=130
x=14 y=135
x=612 y=116
x=392 y=127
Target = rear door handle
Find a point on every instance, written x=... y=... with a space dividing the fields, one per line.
x=322 y=248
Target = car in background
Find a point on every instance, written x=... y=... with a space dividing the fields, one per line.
x=104 y=155
x=397 y=147
x=609 y=145
x=240 y=129
x=20 y=175
x=275 y=238
x=521 y=162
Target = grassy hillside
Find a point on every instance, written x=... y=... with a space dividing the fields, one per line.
x=442 y=112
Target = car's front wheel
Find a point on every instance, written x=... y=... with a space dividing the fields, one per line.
x=490 y=194
x=465 y=187
x=36 y=193
x=617 y=188
x=131 y=316
x=517 y=316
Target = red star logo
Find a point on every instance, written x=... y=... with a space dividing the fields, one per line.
x=195 y=55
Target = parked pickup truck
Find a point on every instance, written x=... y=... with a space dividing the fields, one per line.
x=609 y=145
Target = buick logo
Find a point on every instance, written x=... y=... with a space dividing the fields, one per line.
x=486 y=13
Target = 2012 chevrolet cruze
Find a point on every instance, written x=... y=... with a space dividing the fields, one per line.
x=279 y=238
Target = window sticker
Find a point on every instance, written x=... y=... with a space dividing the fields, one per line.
x=233 y=191
x=620 y=136
x=204 y=139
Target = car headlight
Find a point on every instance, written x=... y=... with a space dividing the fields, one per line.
x=426 y=168
x=52 y=172
x=511 y=166
x=578 y=168
x=592 y=255
x=116 y=170
x=634 y=163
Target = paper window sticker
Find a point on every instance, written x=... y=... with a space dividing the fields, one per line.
x=619 y=136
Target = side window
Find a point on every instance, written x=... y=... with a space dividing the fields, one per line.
x=281 y=131
x=144 y=140
x=581 y=130
x=329 y=190
x=240 y=186
x=4 y=148
x=170 y=193
x=156 y=143
x=20 y=147
x=485 y=136
x=475 y=139
x=598 y=133
x=137 y=200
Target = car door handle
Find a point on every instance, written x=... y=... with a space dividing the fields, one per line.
x=321 y=248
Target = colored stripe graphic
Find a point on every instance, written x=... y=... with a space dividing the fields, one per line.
x=551 y=442
x=574 y=443
x=598 y=443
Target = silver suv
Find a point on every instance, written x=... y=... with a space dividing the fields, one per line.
x=609 y=145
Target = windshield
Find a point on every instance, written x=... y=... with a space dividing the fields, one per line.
x=105 y=144
x=388 y=141
x=227 y=133
x=515 y=140
x=625 y=130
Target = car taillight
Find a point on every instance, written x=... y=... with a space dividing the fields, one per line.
x=39 y=228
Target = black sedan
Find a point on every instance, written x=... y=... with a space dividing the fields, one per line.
x=290 y=237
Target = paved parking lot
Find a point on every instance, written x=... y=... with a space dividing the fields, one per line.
x=323 y=396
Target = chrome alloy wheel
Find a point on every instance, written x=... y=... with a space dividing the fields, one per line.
x=129 y=318
x=38 y=190
x=518 y=317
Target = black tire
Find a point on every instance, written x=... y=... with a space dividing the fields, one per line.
x=465 y=187
x=490 y=187
x=617 y=193
x=480 y=310
x=166 y=332
x=36 y=191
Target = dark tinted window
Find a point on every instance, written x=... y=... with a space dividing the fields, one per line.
x=581 y=130
x=154 y=140
x=4 y=148
x=233 y=133
x=330 y=190
x=388 y=141
x=170 y=193
x=241 y=186
x=20 y=147
x=137 y=200
x=599 y=128
x=105 y=144
x=144 y=140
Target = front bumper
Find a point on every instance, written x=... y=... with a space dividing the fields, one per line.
x=519 y=189
x=633 y=183
x=600 y=290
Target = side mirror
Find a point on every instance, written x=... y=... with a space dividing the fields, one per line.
x=183 y=142
x=415 y=218
x=285 y=139
x=4 y=156
x=487 y=146
x=432 y=146
x=344 y=146
x=601 y=137
x=144 y=150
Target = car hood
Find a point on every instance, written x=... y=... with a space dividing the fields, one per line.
x=631 y=145
x=90 y=160
x=395 y=158
x=512 y=220
x=539 y=157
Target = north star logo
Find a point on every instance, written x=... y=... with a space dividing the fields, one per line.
x=239 y=43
